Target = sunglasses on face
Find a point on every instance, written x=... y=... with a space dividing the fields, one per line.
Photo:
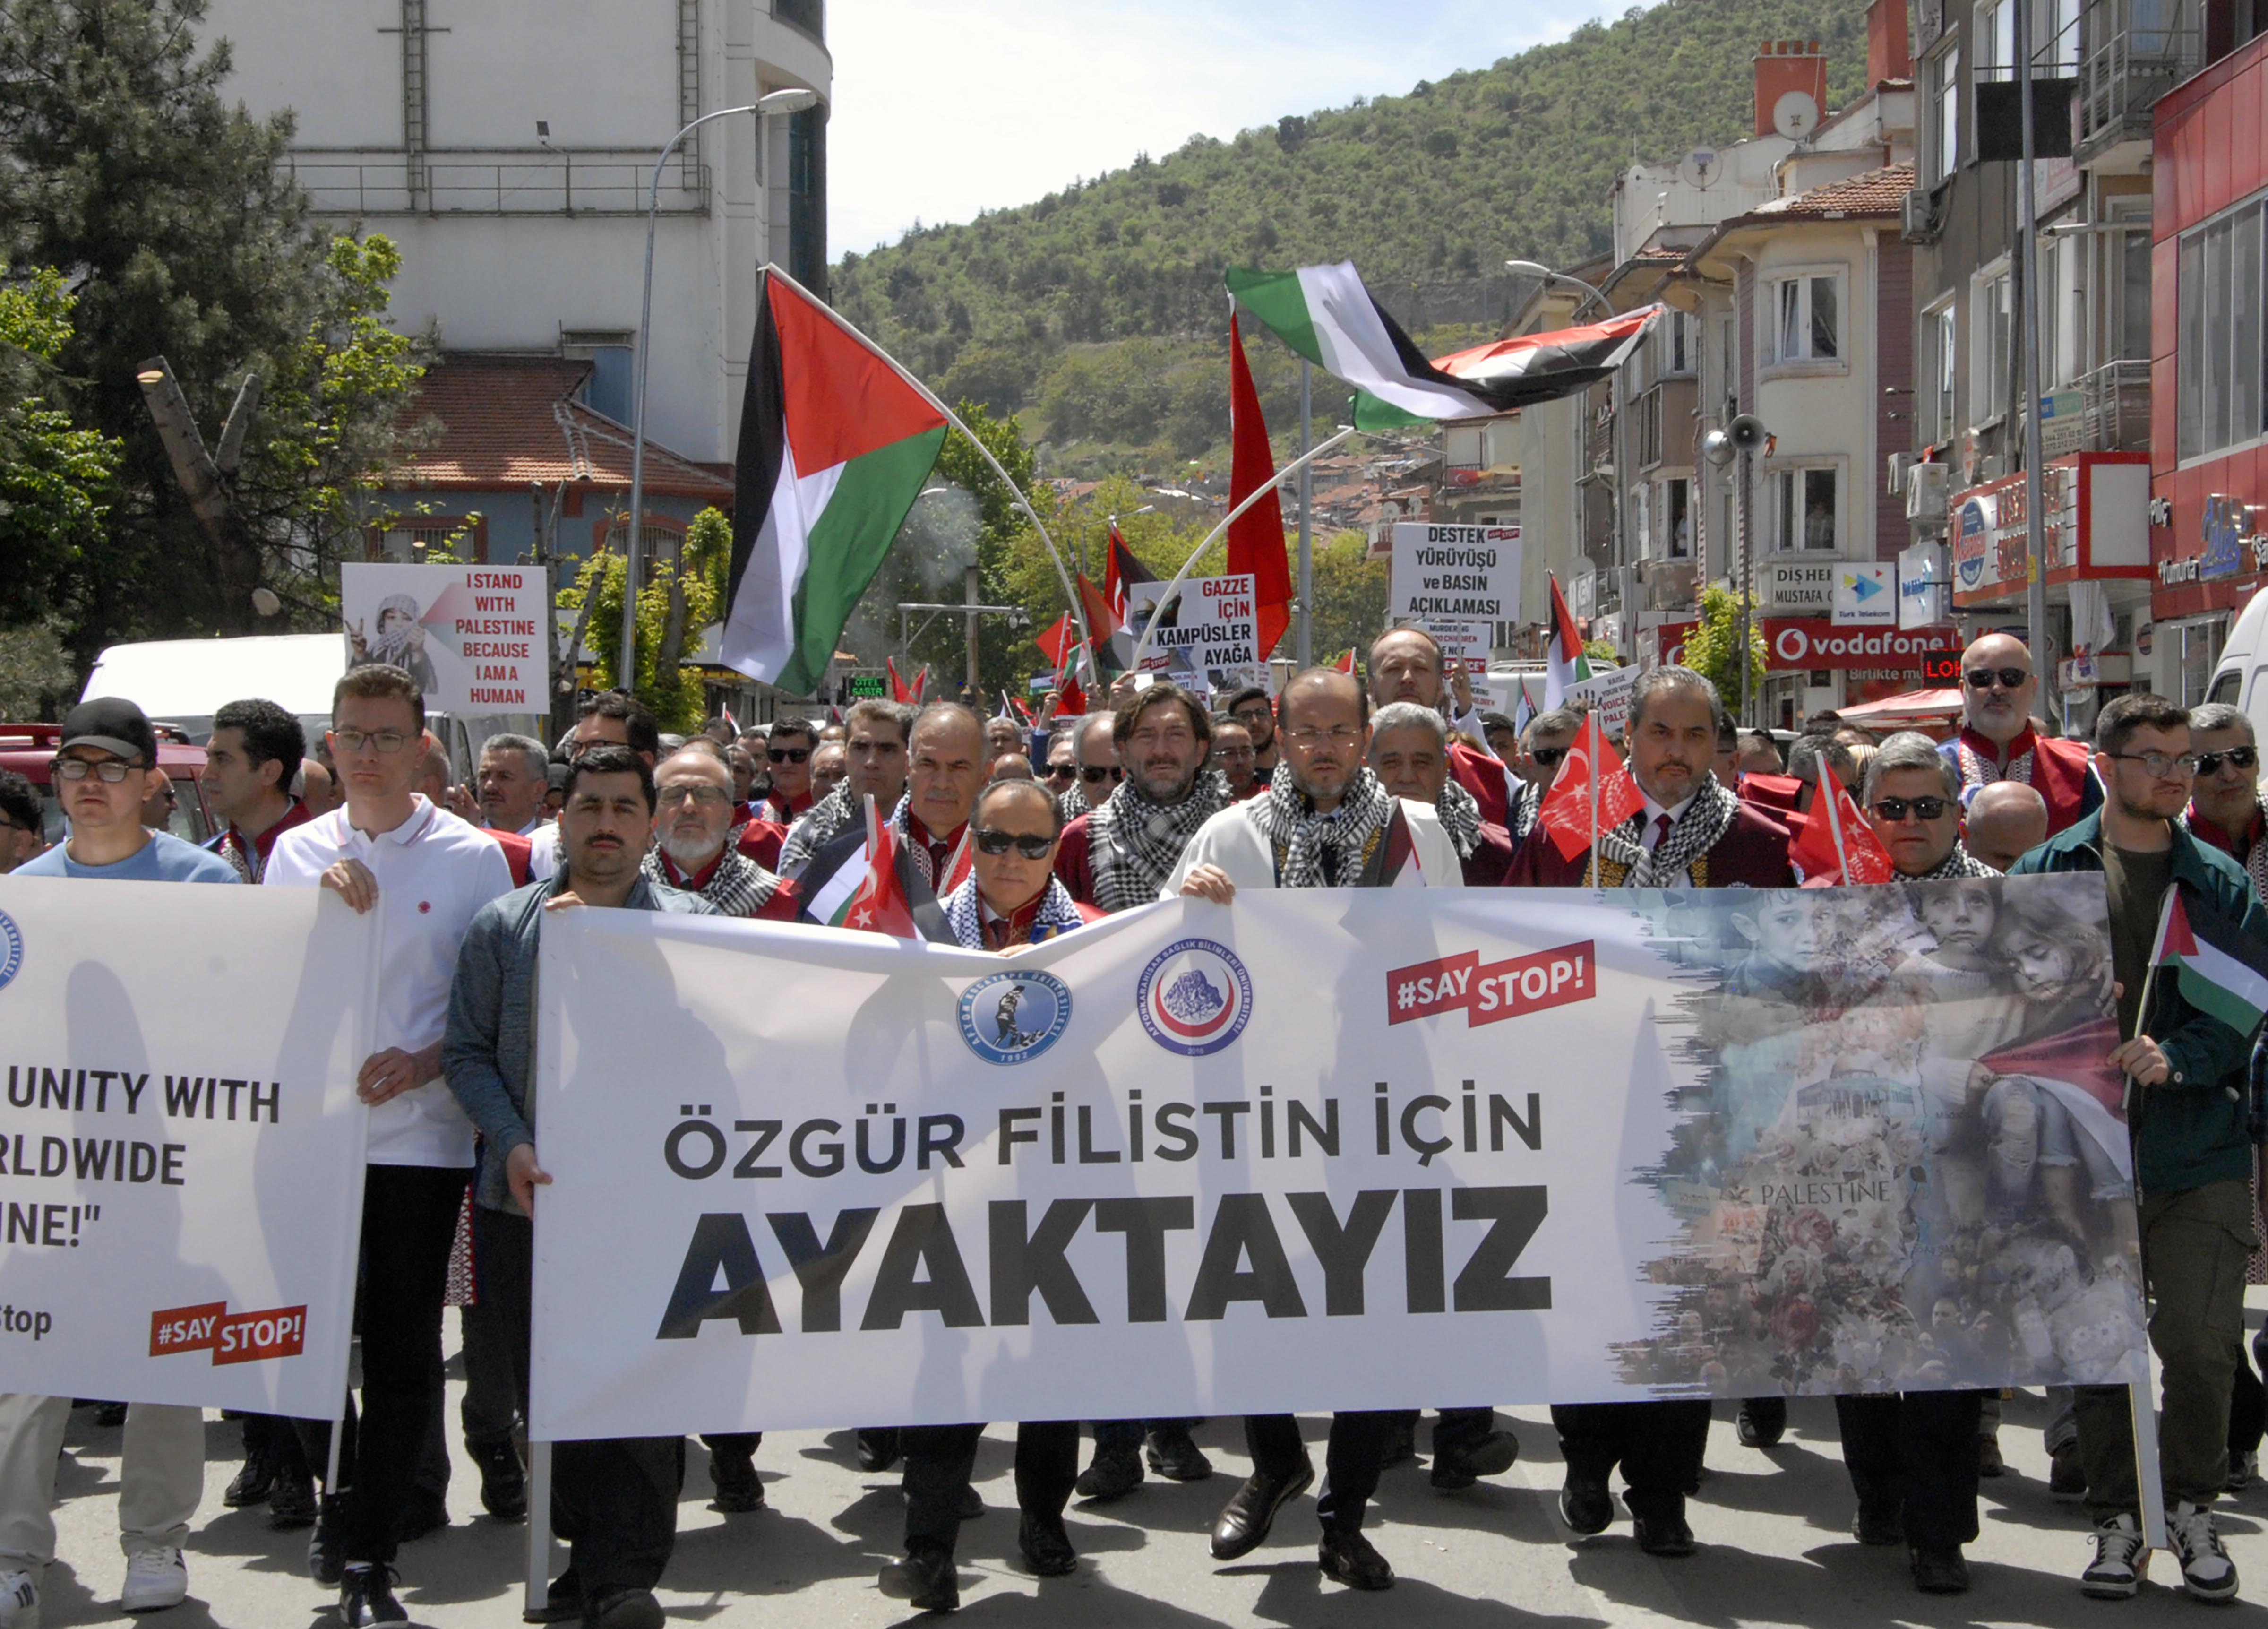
x=1890 y=811
x=1548 y=756
x=1093 y=777
x=2242 y=757
x=2008 y=678
x=1030 y=847
x=1063 y=771
x=787 y=754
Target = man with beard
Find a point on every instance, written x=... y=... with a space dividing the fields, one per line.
x=693 y=790
x=1326 y=823
x=1690 y=833
x=875 y=750
x=1997 y=740
x=1410 y=754
x=1115 y=858
x=1406 y=665
x=1234 y=757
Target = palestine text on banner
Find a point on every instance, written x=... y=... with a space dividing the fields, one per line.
x=1132 y=1172
x=477 y=638
x=181 y=1163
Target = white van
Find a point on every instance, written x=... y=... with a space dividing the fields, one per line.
x=2242 y=678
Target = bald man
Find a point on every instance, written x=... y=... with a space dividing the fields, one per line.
x=2006 y=819
x=1998 y=742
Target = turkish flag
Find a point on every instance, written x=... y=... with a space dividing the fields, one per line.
x=880 y=905
x=1857 y=857
x=1566 y=811
x=1255 y=539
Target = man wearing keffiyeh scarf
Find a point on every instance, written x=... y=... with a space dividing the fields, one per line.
x=693 y=790
x=1410 y=754
x=875 y=742
x=1119 y=855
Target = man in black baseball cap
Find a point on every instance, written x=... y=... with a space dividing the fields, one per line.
x=105 y=769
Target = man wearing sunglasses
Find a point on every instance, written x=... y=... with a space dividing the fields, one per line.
x=1061 y=776
x=1541 y=751
x=1097 y=755
x=1997 y=740
x=787 y=754
x=1011 y=901
x=2225 y=808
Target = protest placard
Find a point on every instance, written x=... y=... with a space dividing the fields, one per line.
x=1208 y=635
x=1454 y=573
x=476 y=637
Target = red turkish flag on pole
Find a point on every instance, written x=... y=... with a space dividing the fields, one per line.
x=880 y=905
x=1593 y=792
x=1835 y=844
x=1255 y=539
x=898 y=692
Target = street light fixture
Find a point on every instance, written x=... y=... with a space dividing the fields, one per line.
x=1549 y=277
x=791 y=100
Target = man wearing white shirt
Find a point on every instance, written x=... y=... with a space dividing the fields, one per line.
x=432 y=872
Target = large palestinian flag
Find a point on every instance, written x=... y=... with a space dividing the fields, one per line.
x=1325 y=315
x=2222 y=970
x=835 y=446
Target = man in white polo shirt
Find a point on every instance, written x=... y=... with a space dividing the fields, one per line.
x=432 y=873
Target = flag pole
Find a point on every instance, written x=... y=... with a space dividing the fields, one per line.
x=1062 y=576
x=1158 y=607
x=1598 y=736
x=1833 y=792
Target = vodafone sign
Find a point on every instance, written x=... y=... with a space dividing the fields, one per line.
x=1802 y=644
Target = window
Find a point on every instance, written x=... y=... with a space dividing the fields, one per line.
x=1807 y=325
x=1641 y=522
x=1804 y=504
x=1945 y=116
x=1942 y=333
x=2220 y=362
x=1996 y=41
x=1677 y=520
x=1673 y=345
x=2059 y=56
x=1994 y=315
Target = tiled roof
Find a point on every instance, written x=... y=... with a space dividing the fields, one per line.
x=504 y=421
x=1877 y=192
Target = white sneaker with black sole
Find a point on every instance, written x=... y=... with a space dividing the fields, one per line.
x=2119 y=1562
x=20 y=1601
x=156 y=1578
x=2206 y=1571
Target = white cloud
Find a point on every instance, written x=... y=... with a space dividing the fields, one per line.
x=942 y=111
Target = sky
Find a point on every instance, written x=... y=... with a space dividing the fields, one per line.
x=941 y=110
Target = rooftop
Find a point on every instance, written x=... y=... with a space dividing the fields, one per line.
x=1875 y=193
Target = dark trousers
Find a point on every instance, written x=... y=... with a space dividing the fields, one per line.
x=489 y=1413
x=1352 y=1458
x=1456 y=1430
x=1658 y=1445
x=2248 y=1409
x=1915 y=1453
x=615 y=1501
x=939 y=1459
x=275 y=1439
x=1122 y=1438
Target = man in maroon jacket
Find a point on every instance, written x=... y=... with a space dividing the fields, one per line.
x=1692 y=833
x=1406 y=665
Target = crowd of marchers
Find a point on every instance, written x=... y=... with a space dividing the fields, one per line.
x=1009 y=834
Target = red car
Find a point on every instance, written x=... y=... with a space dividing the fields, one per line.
x=29 y=748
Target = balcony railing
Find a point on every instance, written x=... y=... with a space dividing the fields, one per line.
x=545 y=184
x=2116 y=398
x=2137 y=51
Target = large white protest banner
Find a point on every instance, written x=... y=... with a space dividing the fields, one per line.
x=1454 y=573
x=477 y=637
x=1327 y=1149
x=180 y=1148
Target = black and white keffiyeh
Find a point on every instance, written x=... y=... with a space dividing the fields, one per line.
x=964 y=913
x=1520 y=816
x=1073 y=803
x=1706 y=816
x=823 y=822
x=1302 y=838
x=737 y=888
x=1461 y=817
x=1959 y=863
x=1134 y=842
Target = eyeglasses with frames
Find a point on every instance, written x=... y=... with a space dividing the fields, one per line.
x=706 y=797
x=2241 y=757
x=387 y=741
x=2008 y=678
x=1028 y=844
x=1338 y=735
x=109 y=771
x=787 y=754
x=1250 y=712
x=1094 y=777
x=1892 y=810
x=2162 y=765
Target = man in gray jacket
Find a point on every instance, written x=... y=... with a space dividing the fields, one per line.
x=614 y=1502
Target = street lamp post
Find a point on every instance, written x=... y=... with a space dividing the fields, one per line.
x=794 y=100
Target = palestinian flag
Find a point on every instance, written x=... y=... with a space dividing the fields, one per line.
x=2223 y=970
x=1120 y=572
x=834 y=446
x=1325 y=315
x=1564 y=664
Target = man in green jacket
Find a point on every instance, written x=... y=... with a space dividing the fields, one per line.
x=2191 y=1153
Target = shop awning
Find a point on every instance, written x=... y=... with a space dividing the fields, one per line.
x=1907 y=707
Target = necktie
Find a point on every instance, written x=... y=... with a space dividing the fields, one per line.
x=1661 y=830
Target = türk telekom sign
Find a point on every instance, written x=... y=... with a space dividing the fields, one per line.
x=1805 y=644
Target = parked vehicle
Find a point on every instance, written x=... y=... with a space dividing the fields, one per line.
x=30 y=750
x=2242 y=676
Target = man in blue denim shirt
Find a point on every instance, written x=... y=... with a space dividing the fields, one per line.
x=614 y=1502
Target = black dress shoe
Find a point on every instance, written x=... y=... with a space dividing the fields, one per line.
x=291 y=1501
x=1763 y=1421
x=1663 y=1535
x=1455 y=1467
x=1174 y=1456
x=923 y=1579
x=1243 y=1525
x=1402 y=1441
x=1046 y=1546
x=1879 y=1526
x=1353 y=1560
x=503 y=1479
x=878 y=1448
x=627 y=1609
x=1585 y=1504
x=737 y=1489
x=1111 y=1475
x=253 y=1484
x=563 y=1601
x=1940 y=1572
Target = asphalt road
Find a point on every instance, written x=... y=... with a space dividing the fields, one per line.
x=1774 y=1528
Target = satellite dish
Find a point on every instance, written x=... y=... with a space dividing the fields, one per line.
x=1795 y=115
x=1701 y=167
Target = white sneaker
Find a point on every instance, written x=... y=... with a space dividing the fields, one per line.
x=20 y=1601
x=2119 y=1560
x=2206 y=1571
x=155 y=1579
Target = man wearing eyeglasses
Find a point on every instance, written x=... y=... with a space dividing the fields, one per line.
x=2192 y=1153
x=2225 y=808
x=1252 y=708
x=787 y=754
x=693 y=818
x=1233 y=756
x=435 y=871
x=1998 y=742
x=1544 y=748
x=1011 y=901
x=104 y=770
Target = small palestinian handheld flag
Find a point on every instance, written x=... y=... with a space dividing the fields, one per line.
x=834 y=446
x=1564 y=664
x=1325 y=315
x=2223 y=970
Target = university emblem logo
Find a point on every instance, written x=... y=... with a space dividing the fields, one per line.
x=1195 y=996
x=1011 y=1018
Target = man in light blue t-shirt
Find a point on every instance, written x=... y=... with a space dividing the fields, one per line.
x=106 y=767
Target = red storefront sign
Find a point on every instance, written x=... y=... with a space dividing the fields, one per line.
x=2096 y=526
x=1805 y=644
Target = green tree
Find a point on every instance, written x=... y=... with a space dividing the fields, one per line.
x=1712 y=648
x=675 y=694
x=54 y=478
